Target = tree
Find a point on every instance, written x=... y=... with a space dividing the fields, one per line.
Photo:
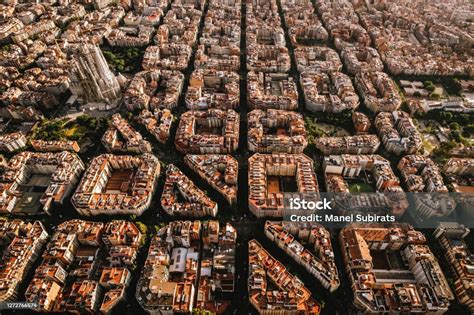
x=468 y=130
x=429 y=86
x=457 y=86
x=87 y=121
x=142 y=227
x=82 y=120
x=454 y=126
x=435 y=96
x=453 y=86
x=103 y=123
x=456 y=136
x=132 y=52
x=448 y=146
x=115 y=60
x=446 y=115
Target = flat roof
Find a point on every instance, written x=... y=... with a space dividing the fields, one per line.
x=29 y=203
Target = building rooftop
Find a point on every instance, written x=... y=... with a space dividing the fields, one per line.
x=121 y=137
x=154 y=89
x=338 y=169
x=317 y=58
x=157 y=123
x=170 y=277
x=414 y=284
x=276 y=131
x=328 y=92
x=210 y=131
x=56 y=175
x=219 y=171
x=398 y=133
x=265 y=194
x=291 y=294
x=73 y=277
x=317 y=257
x=117 y=184
x=271 y=91
x=22 y=243
x=182 y=198
x=213 y=89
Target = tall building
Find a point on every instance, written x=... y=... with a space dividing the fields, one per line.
x=452 y=237
x=91 y=78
